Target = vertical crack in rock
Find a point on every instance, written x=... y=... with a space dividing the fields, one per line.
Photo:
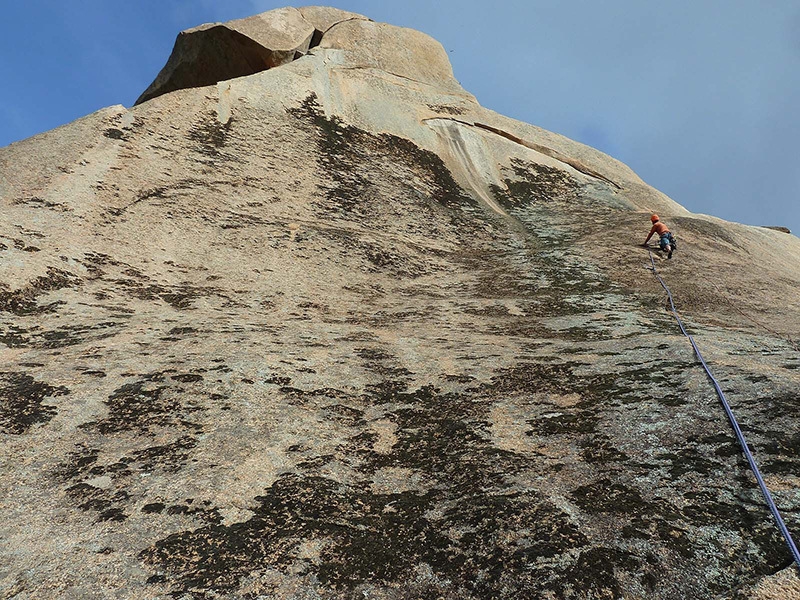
x=316 y=39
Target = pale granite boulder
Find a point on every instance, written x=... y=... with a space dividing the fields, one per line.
x=213 y=52
x=397 y=50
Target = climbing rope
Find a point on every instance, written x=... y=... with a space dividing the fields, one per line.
x=739 y=435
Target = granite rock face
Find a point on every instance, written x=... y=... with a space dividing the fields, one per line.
x=216 y=51
x=330 y=329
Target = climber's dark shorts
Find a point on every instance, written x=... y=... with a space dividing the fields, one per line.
x=667 y=240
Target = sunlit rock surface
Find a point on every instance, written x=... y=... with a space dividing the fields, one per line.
x=333 y=330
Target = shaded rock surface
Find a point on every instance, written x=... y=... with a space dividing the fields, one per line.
x=334 y=330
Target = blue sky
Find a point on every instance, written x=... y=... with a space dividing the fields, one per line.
x=699 y=97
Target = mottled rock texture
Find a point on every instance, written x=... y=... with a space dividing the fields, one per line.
x=333 y=330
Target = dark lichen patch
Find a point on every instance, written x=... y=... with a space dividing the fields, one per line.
x=315 y=463
x=650 y=526
x=601 y=449
x=121 y=468
x=459 y=378
x=210 y=136
x=682 y=530
x=108 y=504
x=381 y=363
x=607 y=496
x=202 y=511
x=182 y=297
x=39 y=203
x=95 y=261
x=77 y=464
x=781 y=454
x=71 y=335
x=540 y=528
x=483 y=530
x=376 y=538
x=21 y=402
x=15 y=337
x=153 y=508
x=138 y=285
x=349 y=156
x=237 y=220
x=723 y=445
x=532 y=183
x=446 y=109
x=188 y=377
x=142 y=405
x=548 y=285
x=779 y=406
x=292 y=510
x=85 y=462
x=596 y=391
x=570 y=423
x=167 y=457
x=181 y=331
x=444 y=188
x=179 y=297
x=93 y=373
x=444 y=436
x=340 y=154
x=346 y=415
x=691 y=459
x=114 y=133
x=147 y=194
x=382 y=257
x=595 y=573
x=706 y=508
x=23 y=301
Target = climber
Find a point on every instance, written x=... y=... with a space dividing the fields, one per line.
x=666 y=239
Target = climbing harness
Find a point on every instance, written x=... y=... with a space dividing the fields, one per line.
x=739 y=435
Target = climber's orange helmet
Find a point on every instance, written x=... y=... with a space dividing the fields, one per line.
x=654 y=218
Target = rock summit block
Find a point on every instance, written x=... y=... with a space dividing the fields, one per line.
x=397 y=50
x=215 y=52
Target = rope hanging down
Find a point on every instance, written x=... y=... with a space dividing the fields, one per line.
x=739 y=435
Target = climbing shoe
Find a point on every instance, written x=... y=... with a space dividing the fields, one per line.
x=670 y=254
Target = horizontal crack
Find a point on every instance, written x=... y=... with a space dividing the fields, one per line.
x=345 y=21
x=316 y=38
